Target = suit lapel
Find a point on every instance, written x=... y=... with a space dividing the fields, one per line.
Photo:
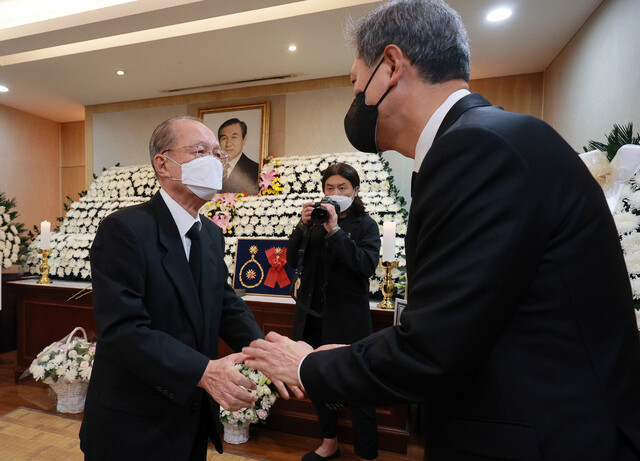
x=210 y=273
x=176 y=265
x=468 y=102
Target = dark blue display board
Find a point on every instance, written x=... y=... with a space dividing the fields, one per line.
x=261 y=267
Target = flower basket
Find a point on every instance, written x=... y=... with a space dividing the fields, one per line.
x=71 y=395
x=236 y=434
x=66 y=366
x=241 y=419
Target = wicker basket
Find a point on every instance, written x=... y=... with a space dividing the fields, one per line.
x=236 y=434
x=71 y=395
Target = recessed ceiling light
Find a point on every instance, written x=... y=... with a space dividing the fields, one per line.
x=292 y=47
x=499 y=14
x=3 y=89
x=120 y=72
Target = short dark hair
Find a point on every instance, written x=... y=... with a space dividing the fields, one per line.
x=429 y=32
x=163 y=136
x=348 y=172
x=233 y=121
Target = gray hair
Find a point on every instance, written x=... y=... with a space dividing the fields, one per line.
x=163 y=136
x=429 y=32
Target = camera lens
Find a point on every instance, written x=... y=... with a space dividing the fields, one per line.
x=319 y=215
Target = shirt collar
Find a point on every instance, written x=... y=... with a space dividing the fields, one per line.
x=182 y=218
x=431 y=128
x=235 y=161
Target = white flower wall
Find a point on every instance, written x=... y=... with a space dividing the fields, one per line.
x=256 y=216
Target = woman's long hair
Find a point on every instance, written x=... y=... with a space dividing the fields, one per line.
x=346 y=171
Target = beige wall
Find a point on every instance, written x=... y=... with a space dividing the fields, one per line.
x=595 y=81
x=306 y=118
x=30 y=165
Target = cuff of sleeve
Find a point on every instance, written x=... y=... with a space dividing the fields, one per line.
x=299 y=367
x=302 y=227
x=335 y=229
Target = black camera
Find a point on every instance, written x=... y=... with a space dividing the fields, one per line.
x=320 y=215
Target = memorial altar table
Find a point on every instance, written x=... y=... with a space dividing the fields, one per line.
x=46 y=313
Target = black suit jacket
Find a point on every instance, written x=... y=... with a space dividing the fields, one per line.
x=343 y=264
x=156 y=334
x=243 y=177
x=519 y=333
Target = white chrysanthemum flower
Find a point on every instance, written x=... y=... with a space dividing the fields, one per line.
x=632 y=259
x=626 y=222
x=630 y=242
x=374 y=285
x=70 y=374
x=38 y=372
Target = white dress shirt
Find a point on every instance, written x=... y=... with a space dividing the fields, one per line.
x=433 y=125
x=183 y=220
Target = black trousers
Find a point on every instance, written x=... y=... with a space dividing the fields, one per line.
x=365 y=429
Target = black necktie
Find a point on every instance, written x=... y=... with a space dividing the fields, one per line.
x=195 y=254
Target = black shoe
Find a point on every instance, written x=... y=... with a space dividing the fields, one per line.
x=313 y=456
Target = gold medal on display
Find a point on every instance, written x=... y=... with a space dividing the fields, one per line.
x=248 y=276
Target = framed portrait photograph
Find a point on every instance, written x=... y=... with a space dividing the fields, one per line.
x=243 y=131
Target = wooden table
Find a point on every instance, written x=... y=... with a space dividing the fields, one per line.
x=46 y=313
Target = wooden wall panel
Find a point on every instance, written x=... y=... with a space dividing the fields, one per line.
x=515 y=93
x=72 y=162
x=72 y=181
x=72 y=144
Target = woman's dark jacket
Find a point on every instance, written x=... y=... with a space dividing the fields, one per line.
x=335 y=277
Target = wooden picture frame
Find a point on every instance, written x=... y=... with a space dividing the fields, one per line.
x=256 y=116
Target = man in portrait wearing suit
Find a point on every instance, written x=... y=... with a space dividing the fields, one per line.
x=161 y=301
x=241 y=173
x=519 y=333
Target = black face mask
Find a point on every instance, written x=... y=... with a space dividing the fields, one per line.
x=361 y=121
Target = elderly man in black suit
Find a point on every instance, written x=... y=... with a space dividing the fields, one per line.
x=161 y=301
x=241 y=173
x=519 y=333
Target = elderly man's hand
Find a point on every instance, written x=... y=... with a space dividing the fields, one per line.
x=278 y=357
x=228 y=386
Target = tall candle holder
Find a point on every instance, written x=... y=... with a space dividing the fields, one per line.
x=388 y=288
x=44 y=267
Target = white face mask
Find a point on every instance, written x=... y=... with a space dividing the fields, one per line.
x=343 y=201
x=203 y=176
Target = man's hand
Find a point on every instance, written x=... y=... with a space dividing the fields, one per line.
x=278 y=358
x=305 y=216
x=332 y=221
x=228 y=386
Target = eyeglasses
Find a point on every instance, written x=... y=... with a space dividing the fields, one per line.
x=202 y=151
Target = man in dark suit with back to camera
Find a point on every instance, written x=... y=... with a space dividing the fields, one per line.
x=519 y=333
x=241 y=173
x=161 y=301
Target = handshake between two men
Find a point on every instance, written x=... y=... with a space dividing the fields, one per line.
x=277 y=356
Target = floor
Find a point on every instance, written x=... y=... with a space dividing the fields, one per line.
x=264 y=443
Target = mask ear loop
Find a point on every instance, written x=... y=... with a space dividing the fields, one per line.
x=367 y=86
x=179 y=164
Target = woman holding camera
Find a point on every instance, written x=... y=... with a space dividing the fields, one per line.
x=335 y=249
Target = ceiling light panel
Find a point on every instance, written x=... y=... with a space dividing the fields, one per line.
x=20 y=12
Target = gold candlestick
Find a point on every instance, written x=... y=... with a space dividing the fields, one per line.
x=388 y=287
x=44 y=267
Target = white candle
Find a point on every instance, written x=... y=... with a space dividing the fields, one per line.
x=45 y=235
x=389 y=241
